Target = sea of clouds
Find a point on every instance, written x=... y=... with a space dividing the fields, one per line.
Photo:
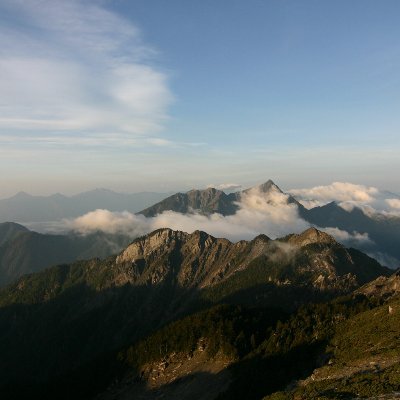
x=267 y=213
x=258 y=213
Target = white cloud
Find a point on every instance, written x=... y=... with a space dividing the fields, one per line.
x=268 y=213
x=348 y=238
x=393 y=203
x=109 y=222
x=258 y=212
x=370 y=200
x=337 y=191
x=73 y=66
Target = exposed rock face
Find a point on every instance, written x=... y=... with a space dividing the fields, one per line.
x=206 y=201
x=383 y=232
x=311 y=235
x=200 y=260
x=383 y=287
x=157 y=279
x=196 y=259
x=211 y=200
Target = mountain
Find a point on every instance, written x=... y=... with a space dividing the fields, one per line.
x=386 y=287
x=23 y=251
x=210 y=201
x=313 y=259
x=206 y=201
x=360 y=358
x=383 y=231
x=60 y=329
x=9 y=230
x=27 y=208
x=344 y=349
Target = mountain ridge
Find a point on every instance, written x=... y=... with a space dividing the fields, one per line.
x=91 y=309
x=24 y=251
x=25 y=208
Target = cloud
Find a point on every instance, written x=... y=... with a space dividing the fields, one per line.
x=74 y=67
x=393 y=203
x=109 y=222
x=337 y=191
x=348 y=238
x=259 y=213
x=370 y=200
x=267 y=213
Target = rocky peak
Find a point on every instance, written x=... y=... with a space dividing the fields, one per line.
x=268 y=186
x=151 y=243
x=261 y=239
x=311 y=235
x=22 y=196
x=383 y=287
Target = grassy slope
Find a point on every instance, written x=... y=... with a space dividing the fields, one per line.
x=365 y=359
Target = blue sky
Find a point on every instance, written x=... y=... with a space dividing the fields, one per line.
x=154 y=95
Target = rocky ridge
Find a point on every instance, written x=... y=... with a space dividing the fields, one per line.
x=200 y=260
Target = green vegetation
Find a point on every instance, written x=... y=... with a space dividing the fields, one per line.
x=232 y=330
x=293 y=348
x=365 y=356
x=71 y=330
x=366 y=384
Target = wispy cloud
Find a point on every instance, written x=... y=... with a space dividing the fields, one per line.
x=354 y=238
x=75 y=67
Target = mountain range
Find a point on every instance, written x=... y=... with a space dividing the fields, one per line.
x=210 y=201
x=383 y=231
x=24 y=207
x=90 y=311
x=23 y=251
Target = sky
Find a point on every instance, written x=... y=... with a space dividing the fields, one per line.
x=148 y=95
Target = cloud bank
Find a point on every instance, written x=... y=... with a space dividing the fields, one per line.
x=72 y=72
x=258 y=213
x=348 y=195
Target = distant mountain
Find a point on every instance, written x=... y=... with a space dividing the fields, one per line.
x=209 y=201
x=23 y=251
x=9 y=230
x=59 y=327
x=26 y=208
x=206 y=201
x=383 y=231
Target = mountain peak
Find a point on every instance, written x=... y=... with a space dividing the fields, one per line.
x=207 y=190
x=311 y=235
x=265 y=187
x=22 y=195
x=268 y=186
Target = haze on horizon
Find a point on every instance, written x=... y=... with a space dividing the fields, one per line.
x=143 y=96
